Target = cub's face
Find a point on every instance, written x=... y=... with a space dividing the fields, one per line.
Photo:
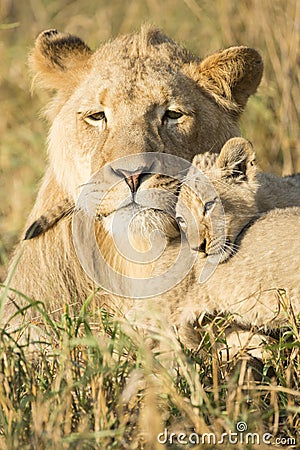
x=221 y=201
x=137 y=95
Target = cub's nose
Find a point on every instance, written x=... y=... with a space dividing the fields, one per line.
x=133 y=178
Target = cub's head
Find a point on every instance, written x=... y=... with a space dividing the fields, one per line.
x=138 y=94
x=220 y=198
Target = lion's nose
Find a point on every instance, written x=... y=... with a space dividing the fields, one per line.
x=132 y=178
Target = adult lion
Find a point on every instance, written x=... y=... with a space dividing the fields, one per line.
x=139 y=93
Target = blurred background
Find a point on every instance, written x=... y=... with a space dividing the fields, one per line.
x=271 y=119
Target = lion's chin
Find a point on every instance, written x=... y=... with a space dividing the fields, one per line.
x=137 y=222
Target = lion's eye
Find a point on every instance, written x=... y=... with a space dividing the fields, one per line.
x=95 y=118
x=209 y=206
x=172 y=115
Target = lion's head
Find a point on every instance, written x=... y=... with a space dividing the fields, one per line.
x=141 y=93
x=221 y=198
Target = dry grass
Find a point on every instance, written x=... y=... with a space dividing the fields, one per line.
x=111 y=392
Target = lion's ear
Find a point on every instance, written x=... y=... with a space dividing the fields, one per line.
x=231 y=76
x=58 y=59
x=237 y=160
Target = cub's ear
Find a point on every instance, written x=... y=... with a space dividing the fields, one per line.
x=206 y=162
x=237 y=160
x=58 y=59
x=231 y=76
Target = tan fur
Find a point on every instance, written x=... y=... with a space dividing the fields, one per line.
x=260 y=283
x=135 y=80
x=243 y=191
x=232 y=175
x=277 y=192
x=49 y=219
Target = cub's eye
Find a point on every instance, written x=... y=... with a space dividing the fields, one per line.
x=95 y=118
x=181 y=223
x=209 y=206
x=172 y=115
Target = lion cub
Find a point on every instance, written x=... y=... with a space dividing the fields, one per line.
x=223 y=201
x=258 y=279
